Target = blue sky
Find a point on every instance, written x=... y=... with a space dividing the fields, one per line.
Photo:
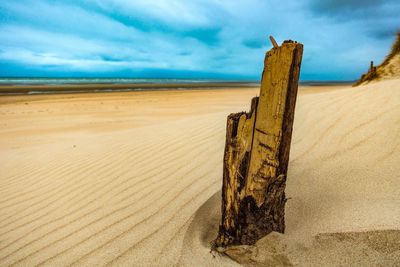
x=197 y=39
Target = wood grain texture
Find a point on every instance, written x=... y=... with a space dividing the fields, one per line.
x=257 y=153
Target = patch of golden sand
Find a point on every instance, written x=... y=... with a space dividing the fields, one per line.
x=133 y=178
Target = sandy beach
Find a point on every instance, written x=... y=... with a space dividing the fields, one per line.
x=134 y=178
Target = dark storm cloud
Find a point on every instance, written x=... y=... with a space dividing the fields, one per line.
x=357 y=8
x=377 y=18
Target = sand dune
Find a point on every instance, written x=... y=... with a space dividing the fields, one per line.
x=133 y=178
x=388 y=69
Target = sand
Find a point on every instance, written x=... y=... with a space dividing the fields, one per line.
x=134 y=178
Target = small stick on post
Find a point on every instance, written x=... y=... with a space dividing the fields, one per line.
x=274 y=43
x=257 y=153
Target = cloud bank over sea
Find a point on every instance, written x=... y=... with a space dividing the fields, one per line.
x=199 y=39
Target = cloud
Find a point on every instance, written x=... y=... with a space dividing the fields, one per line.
x=343 y=8
x=218 y=38
x=378 y=19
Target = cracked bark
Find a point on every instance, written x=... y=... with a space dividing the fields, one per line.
x=257 y=153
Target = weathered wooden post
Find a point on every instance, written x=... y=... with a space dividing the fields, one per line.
x=257 y=153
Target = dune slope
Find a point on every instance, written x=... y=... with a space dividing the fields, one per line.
x=388 y=69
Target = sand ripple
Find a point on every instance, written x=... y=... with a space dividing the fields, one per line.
x=134 y=179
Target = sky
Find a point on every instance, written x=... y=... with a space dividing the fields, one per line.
x=221 y=39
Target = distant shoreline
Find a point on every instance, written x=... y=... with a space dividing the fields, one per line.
x=31 y=89
x=109 y=87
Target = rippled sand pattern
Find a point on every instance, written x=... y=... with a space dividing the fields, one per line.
x=133 y=178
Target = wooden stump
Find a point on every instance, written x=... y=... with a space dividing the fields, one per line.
x=257 y=153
